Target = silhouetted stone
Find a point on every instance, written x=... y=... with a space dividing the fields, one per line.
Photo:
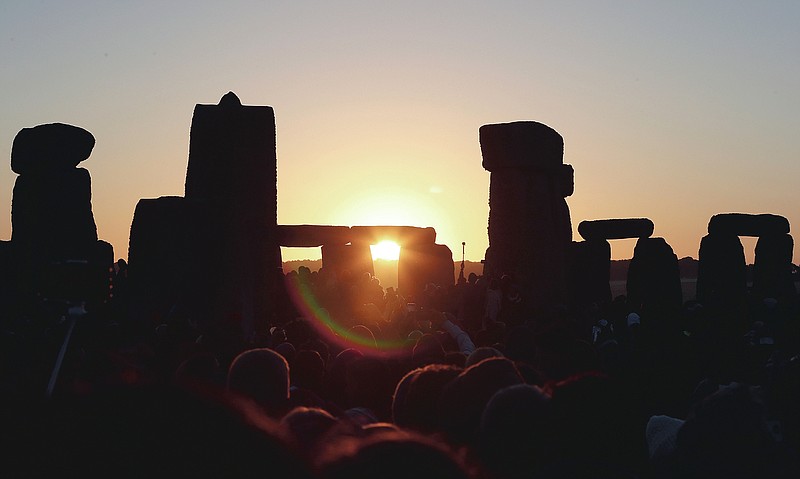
x=9 y=284
x=521 y=144
x=54 y=146
x=232 y=158
x=353 y=258
x=402 y=235
x=654 y=280
x=529 y=223
x=742 y=224
x=54 y=250
x=721 y=275
x=6 y=254
x=53 y=211
x=421 y=264
x=172 y=255
x=589 y=272
x=567 y=180
x=772 y=273
x=232 y=168
x=310 y=236
x=616 y=229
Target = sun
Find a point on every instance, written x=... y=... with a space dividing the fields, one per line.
x=385 y=250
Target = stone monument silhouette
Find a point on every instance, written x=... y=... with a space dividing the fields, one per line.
x=421 y=260
x=722 y=275
x=220 y=261
x=54 y=252
x=653 y=283
x=529 y=220
x=213 y=256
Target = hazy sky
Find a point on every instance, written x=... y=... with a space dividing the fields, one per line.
x=673 y=110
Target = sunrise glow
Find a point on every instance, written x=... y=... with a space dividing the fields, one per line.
x=388 y=250
x=392 y=137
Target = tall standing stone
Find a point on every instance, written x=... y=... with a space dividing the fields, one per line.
x=54 y=251
x=51 y=210
x=722 y=273
x=233 y=169
x=654 y=279
x=529 y=222
x=347 y=259
x=172 y=249
x=423 y=263
x=772 y=272
x=589 y=272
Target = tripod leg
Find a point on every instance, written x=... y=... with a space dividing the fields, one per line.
x=60 y=359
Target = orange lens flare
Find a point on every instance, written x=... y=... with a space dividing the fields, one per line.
x=332 y=331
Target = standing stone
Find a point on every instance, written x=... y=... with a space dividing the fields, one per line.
x=420 y=264
x=54 y=251
x=347 y=259
x=590 y=262
x=52 y=212
x=721 y=274
x=232 y=168
x=171 y=251
x=9 y=286
x=529 y=223
x=654 y=279
x=589 y=272
x=722 y=279
x=772 y=273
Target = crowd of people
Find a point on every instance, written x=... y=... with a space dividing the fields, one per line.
x=353 y=380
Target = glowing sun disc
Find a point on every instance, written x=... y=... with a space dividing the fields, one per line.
x=385 y=250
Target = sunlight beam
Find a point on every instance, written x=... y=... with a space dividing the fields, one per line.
x=385 y=250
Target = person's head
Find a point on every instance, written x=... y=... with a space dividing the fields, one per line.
x=521 y=345
x=298 y=331
x=320 y=347
x=307 y=427
x=484 y=352
x=595 y=419
x=515 y=431
x=261 y=375
x=163 y=432
x=363 y=335
x=726 y=435
x=463 y=399
x=308 y=370
x=428 y=350
x=287 y=350
x=391 y=455
x=368 y=385
x=416 y=398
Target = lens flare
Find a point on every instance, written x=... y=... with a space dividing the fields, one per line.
x=331 y=330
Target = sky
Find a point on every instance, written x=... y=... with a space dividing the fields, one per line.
x=674 y=111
